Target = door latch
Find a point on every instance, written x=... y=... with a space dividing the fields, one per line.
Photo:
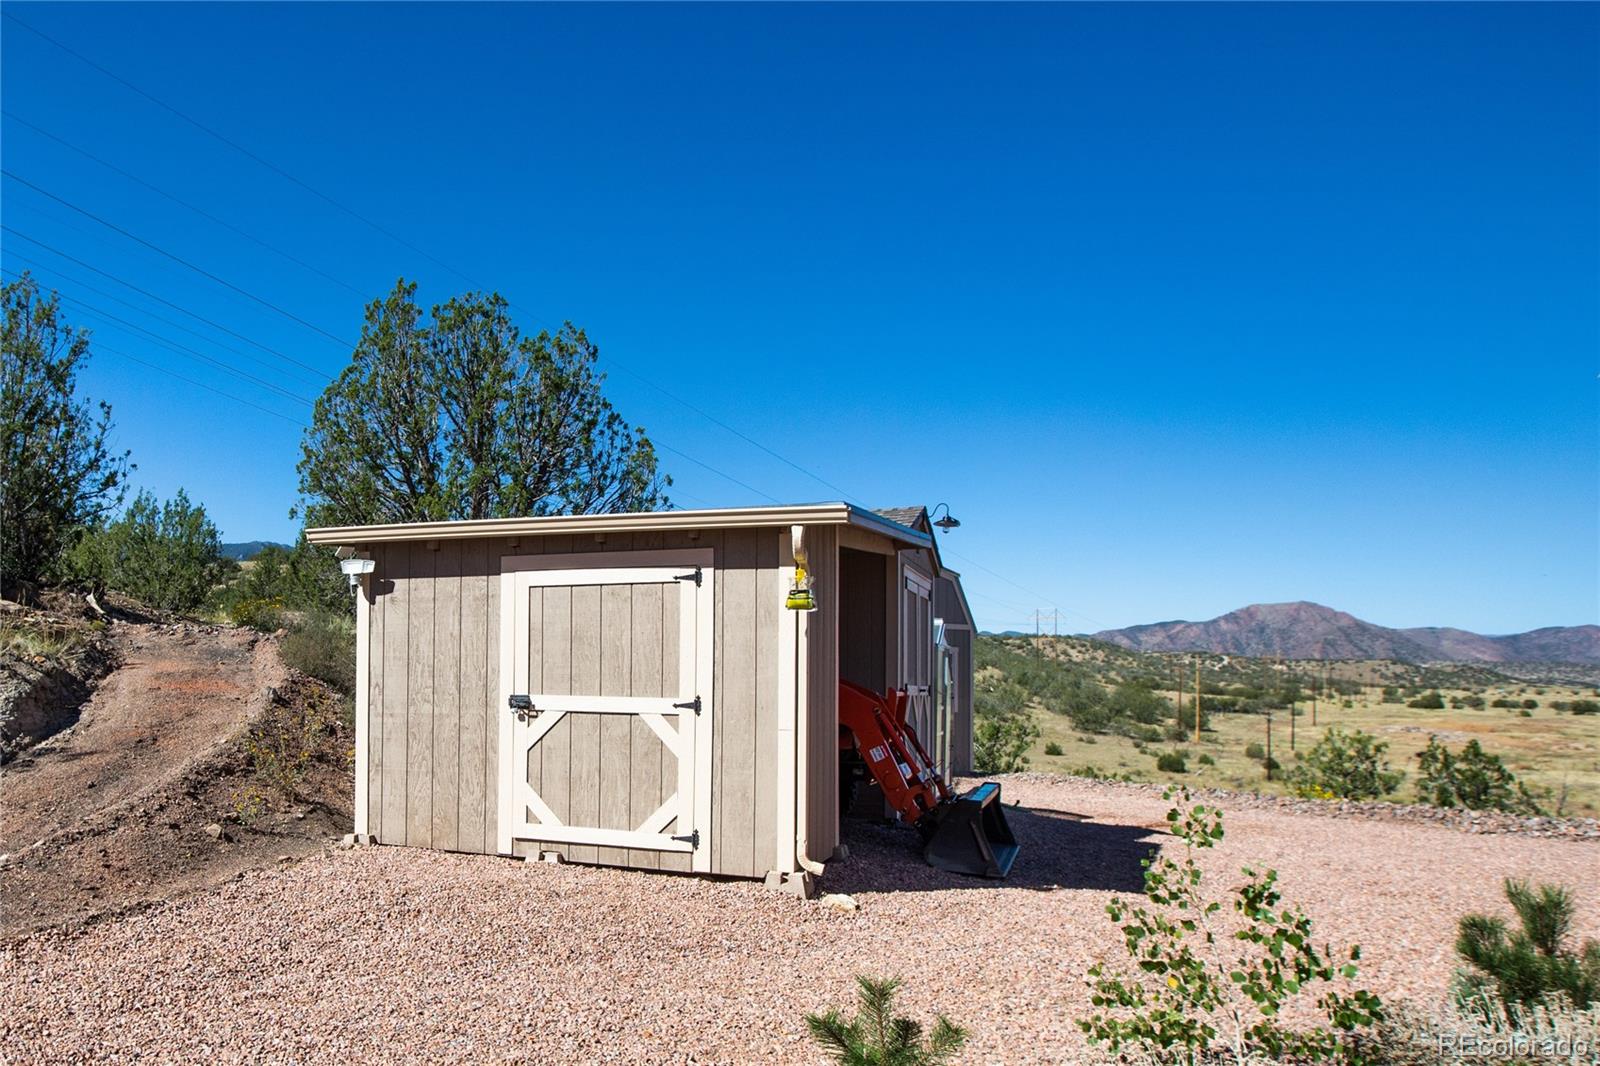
x=522 y=705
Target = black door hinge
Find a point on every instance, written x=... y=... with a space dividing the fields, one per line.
x=691 y=839
x=692 y=705
x=695 y=577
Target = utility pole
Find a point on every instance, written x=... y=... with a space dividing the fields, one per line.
x=1197 y=701
x=1055 y=630
x=1314 y=696
x=1268 y=763
x=1177 y=689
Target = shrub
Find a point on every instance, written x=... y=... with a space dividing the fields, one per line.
x=1529 y=705
x=323 y=646
x=165 y=555
x=286 y=740
x=1137 y=702
x=1532 y=965
x=1584 y=707
x=265 y=615
x=1473 y=779
x=1347 y=766
x=305 y=577
x=876 y=1037
x=999 y=698
x=1000 y=743
x=1172 y=762
x=1507 y=704
x=1428 y=701
x=1254 y=751
x=1184 y=984
x=1207 y=760
x=1053 y=748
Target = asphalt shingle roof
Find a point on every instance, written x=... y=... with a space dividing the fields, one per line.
x=906 y=516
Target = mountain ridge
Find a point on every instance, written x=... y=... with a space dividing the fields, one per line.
x=1306 y=630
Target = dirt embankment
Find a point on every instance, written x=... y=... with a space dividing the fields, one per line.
x=49 y=664
x=199 y=757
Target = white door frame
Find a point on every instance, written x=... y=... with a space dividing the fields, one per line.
x=918 y=659
x=690 y=741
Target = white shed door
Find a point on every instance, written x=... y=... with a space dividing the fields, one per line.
x=916 y=655
x=605 y=742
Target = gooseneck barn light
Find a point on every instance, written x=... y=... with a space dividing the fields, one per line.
x=948 y=522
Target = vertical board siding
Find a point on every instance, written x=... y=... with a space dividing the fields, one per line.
x=445 y=804
x=734 y=750
x=375 y=675
x=644 y=790
x=434 y=703
x=396 y=635
x=769 y=594
x=419 y=699
x=822 y=679
x=476 y=703
x=861 y=619
x=616 y=761
x=584 y=782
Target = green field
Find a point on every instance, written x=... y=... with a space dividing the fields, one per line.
x=1555 y=753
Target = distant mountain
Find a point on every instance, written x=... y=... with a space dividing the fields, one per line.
x=248 y=549
x=1312 y=631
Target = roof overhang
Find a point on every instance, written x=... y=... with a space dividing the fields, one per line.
x=812 y=514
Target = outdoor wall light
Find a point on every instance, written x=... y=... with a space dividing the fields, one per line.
x=948 y=522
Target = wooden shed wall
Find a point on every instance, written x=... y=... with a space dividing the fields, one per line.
x=433 y=690
x=863 y=577
x=822 y=686
x=947 y=604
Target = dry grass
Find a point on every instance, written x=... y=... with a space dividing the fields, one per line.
x=1554 y=752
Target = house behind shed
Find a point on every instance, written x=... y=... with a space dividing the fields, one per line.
x=630 y=689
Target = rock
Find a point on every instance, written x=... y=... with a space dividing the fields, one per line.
x=838 y=901
x=214 y=831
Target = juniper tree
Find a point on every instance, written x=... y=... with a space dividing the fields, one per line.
x=459 y=415
x=59 y=473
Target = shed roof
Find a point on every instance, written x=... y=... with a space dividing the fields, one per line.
x=905 y=516
x=810 y=514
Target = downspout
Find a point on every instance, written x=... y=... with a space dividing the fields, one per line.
x=802 y=701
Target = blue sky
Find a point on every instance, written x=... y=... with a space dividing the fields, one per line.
x=1178 y=308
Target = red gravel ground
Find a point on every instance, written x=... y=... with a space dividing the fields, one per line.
x=389 y=954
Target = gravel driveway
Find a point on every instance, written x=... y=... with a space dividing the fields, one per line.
x=388 y=954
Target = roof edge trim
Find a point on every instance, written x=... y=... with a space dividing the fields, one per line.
x=719 y=518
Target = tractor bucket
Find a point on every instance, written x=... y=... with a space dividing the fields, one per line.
x=970 y=835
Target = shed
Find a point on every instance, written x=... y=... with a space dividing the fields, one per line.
x=631 y=690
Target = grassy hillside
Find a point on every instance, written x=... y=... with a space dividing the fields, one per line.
x=1101 y=709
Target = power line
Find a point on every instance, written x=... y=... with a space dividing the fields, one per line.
x=198 y=384
x=162 y=300
x=187 y=351
x=13 y=116
x=202 y=271
x=719 y=473
x=374 y=225
x=321 y=378
x=241 y=149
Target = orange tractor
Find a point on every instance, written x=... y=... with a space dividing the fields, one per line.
x=965 y=834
